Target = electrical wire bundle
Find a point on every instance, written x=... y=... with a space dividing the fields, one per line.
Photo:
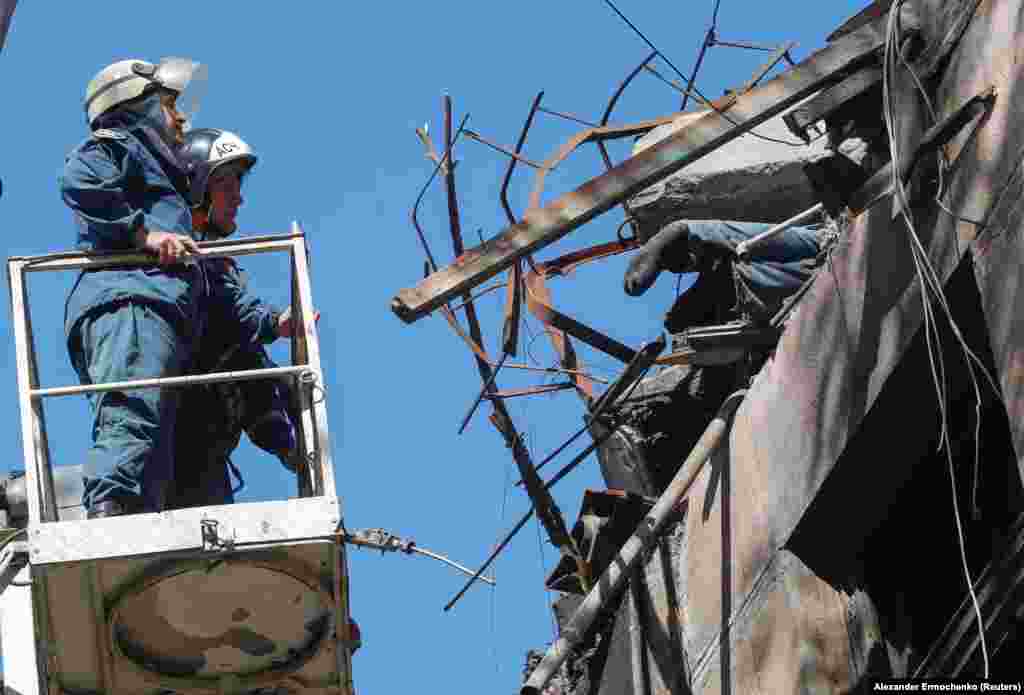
x=932 y=294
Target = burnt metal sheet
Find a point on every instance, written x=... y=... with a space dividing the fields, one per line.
x=598 y=134
x=544 y=226
x=792 y=638
x=991 y=45
x=842 y=342
x=998 y=255
x=606 y=519
x=999 y=250
x=558 y=325
x=538 y=299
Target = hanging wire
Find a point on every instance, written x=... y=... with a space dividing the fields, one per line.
x=931 y=292
x=531 y=358
x=415 y=208
x=693 y=87
x=531 y=439
x=709 y=41
x=544 y=571
x=505 y=488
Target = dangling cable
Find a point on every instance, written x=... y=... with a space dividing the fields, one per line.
x=506 y=487
x=707 y=102
x=931 y=290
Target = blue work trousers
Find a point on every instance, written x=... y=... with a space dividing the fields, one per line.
x=132 y=457
x=199 y=481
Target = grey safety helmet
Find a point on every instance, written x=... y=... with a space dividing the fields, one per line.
x=206 y=150
x=127 y=80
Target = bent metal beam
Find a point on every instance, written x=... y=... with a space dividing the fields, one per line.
x=544 y=226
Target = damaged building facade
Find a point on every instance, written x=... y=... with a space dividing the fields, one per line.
x=826 y=519
x=817 y=549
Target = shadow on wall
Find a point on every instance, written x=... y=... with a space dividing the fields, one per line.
x=888 y=501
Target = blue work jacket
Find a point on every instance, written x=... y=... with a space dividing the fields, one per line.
x=120 y=179
x=235 y=317
x=212 y=417
x=115 y=182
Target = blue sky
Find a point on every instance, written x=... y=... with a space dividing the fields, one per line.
x=329 y=94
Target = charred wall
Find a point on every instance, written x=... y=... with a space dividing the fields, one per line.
x=819 y=546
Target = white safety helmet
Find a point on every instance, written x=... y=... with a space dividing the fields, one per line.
x=207 y=149
x=127 y=80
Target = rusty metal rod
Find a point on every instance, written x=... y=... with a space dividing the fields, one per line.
x=474 y=297
x=526 y=517
x=643 y=360
x=513 y=310
x=567 y=116
x=629 y=379
x=578 y=459
x=564 y=471
x=472 y=135
x=487 y=387
x=741 y=44
x=675 y=85
x=556 y=370
x=709 y=41
x=614 y=100
x=449 y=181
x=419 y=199
x=639 y=33
x=647 y=532
x=561 y=447
x=512 y=162
x=535 y=391
x=547 y=509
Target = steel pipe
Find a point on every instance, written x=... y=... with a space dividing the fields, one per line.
x=188 y=380
x=647 y=532
x=743 y=248
x=93 y=261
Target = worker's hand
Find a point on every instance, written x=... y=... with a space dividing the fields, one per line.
x=167 y=247
x=643 y=270
x=285 y=324
x=666 y=250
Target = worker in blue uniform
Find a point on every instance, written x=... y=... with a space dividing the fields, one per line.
x=129 y=192
x=212 y=417
x=733 y=291
x=755 y=285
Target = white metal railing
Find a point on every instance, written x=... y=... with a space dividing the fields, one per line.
x=317 y=479
x=171 y=381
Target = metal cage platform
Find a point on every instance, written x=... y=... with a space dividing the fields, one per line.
x=235 y=598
